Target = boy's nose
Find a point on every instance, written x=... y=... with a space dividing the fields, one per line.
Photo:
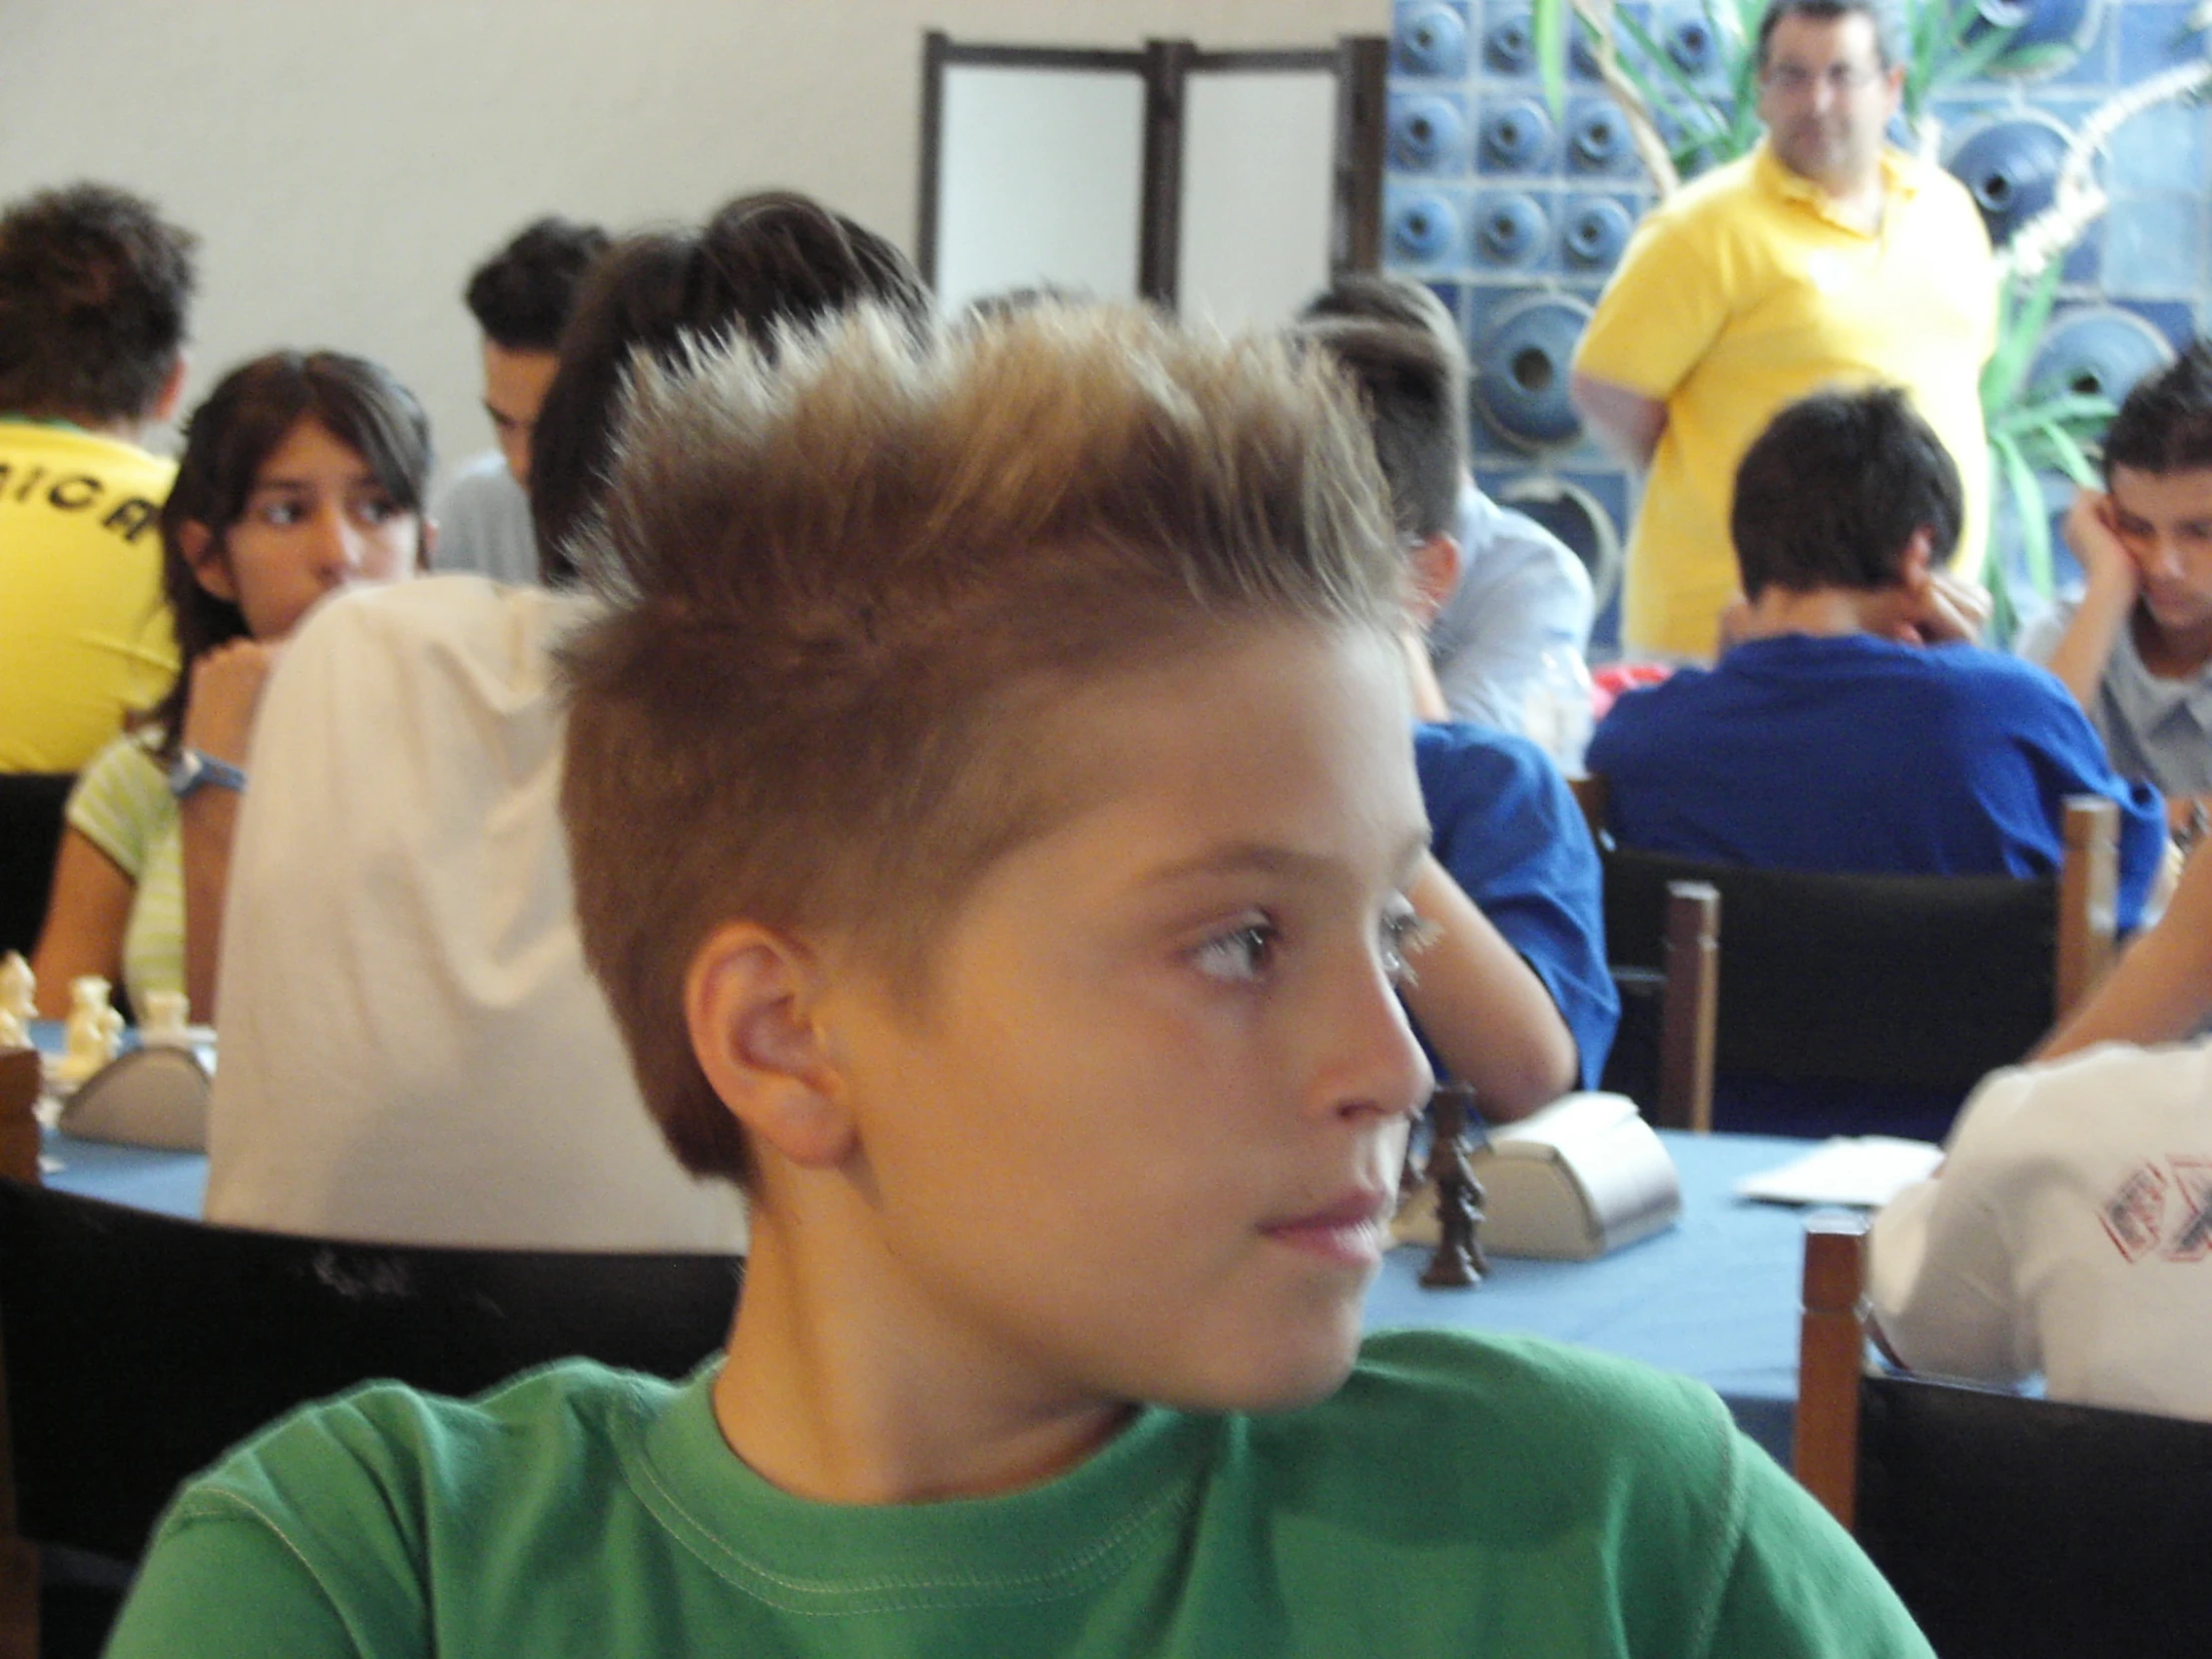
x=2164 y=560
x=1379 y=1070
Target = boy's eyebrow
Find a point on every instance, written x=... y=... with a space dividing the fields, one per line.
x=1269 y=859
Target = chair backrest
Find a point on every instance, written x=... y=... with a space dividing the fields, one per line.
x=31 y=804
x=2007 y=1526
x=1908 y=981
x=1663 y=1050
x=139 y=1346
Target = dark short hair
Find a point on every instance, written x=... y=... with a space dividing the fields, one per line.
x=1380 y=296
x=772 y=260
x=1414 y=391
x=522 y=294
x=230 y=436
x=1889 y=25
x=93 y=289
x=848 y=591
x=1836 y=486
x=1402 y=347
x=2165 y=423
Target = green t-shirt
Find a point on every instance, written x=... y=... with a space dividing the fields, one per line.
x=1459 y=1495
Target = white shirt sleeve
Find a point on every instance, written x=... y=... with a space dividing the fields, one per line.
x=1943 y=1276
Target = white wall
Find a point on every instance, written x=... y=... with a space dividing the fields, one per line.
x=347 y=162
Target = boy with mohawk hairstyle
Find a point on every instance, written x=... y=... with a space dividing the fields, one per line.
x=992 y=804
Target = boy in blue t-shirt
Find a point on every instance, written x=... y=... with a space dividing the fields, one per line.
x=1852 y=727
x=1518 y=1000
x=992 y=819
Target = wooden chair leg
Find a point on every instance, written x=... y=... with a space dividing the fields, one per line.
x=18 y=1599
x=1689 y=1006
x=1589 y=795
x=19 y=1132
x=2088 y=899
x=1832 y=1348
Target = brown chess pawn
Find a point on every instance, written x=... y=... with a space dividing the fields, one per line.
x=1458 y=1258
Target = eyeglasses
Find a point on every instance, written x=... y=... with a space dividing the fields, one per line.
x=1791 y=80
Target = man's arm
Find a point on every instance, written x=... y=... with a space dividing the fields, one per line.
x=1626 y=422
x=2111 y=584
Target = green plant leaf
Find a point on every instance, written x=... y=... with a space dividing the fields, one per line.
x=1701 y=125
x=2069 y=457
x=2020 y=322
x=2082 y=411
x=2028 y=510
x=1650 y=55
x=1547 y=32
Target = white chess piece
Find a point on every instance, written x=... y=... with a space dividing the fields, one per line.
x=93 y=1031
x=165 y=1020
x=18 y=1001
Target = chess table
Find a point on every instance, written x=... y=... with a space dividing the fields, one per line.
x=1715 y=1297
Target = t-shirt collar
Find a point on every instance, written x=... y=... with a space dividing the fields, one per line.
x=839 y=1558
x=1774 y=177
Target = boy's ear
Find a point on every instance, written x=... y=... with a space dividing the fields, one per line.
x=1436 y=564
x=170 y=397
x=1916 y=564
x=209 y=565
x=750 y=1001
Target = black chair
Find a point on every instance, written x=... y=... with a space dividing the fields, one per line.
x=139 y=1346
x=1666 y=967
x=2007 y=1526
x=1905 y=982
x=31 y=806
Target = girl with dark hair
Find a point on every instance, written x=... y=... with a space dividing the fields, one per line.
x=301 y=473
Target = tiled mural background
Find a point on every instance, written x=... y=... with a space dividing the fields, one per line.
x=1516 y=216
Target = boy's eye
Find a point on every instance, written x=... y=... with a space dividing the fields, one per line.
x=376 y=509
x=280 y=510
x=1239 y=955
x=1405 y=936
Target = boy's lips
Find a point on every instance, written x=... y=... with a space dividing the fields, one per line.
x=1354 y=1230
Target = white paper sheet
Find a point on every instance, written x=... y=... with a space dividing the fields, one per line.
x=1866 y=1171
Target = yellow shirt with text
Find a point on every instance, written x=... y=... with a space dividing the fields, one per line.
x=1743 y=294
x=84 y=635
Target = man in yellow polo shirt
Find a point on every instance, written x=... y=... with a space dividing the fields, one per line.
x=1823 y=258
x=94 y=287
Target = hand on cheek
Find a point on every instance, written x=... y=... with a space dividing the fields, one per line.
x=2092 y=534
x=1944 y=610
x=225 y=695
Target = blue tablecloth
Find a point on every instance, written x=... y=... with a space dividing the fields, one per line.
x=1714 y=1297
x=175 y=1183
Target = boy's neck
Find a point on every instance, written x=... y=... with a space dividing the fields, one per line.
x=1826 y=612
x=2170 y=653
x=124 y=432
x=830 y=1394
